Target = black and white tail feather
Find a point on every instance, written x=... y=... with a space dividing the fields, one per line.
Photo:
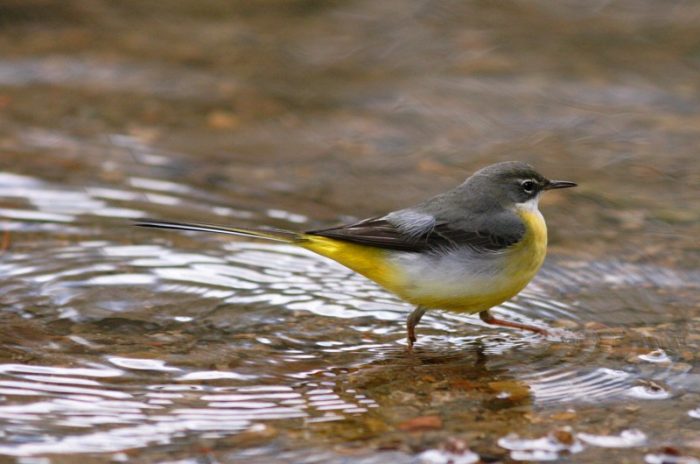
x=278 y=235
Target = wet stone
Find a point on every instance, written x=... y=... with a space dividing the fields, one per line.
x=418 y=424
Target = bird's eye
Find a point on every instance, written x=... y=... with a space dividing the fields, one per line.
x=528 y=186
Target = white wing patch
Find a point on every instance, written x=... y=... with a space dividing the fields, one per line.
x=412 y=223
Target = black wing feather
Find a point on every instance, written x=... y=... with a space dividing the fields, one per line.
x=382 y=233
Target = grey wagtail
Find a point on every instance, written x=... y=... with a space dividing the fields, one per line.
x=465 y=250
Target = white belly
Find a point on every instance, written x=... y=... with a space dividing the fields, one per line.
x=471 y=281
x=451 y=279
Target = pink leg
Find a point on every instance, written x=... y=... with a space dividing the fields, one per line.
x=487 y=317
x=413 y=320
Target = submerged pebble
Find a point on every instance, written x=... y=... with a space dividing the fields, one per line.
x=548 y=448
x=656 y=356
x=669 y=458
x=649 y=391
x=626 y=439
x=446 y=457
x=454 y=451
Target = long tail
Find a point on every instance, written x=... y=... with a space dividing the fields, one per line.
x=278 y=235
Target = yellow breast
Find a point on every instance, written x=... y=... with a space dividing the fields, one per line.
x=528 y=255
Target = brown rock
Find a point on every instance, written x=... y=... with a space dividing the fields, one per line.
x=564 y=415
x=564 y=437
x=421 y=423
x=515 y=390
x=219 y=119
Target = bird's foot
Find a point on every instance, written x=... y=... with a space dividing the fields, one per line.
x=487 y=317
x=413 y=320
x=411 y=337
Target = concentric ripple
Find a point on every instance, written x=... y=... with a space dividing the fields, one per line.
x=169 y=336
x=92 y=411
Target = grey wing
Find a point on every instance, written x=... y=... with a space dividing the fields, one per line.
x=410 y=230
x=377 y=232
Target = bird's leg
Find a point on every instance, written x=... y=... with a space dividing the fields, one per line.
x=411 y=322
x=487 y=317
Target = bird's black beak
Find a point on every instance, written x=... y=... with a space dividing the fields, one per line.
x=559 y=184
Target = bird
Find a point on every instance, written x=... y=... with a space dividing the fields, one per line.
x=465 y=250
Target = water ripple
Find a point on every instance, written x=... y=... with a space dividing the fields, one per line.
x=182 y=335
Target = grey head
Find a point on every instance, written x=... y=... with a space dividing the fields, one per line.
x=494 y=188
x=511 y=181
x=479 y=213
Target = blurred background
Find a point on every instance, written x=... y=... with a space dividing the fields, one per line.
x=305 y=113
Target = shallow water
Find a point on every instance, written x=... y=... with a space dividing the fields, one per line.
x=122 y=344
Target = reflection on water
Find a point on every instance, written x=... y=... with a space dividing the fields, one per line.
x=159 y=346
x=225 y=338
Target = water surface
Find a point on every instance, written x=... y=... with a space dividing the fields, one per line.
x=124 y=344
